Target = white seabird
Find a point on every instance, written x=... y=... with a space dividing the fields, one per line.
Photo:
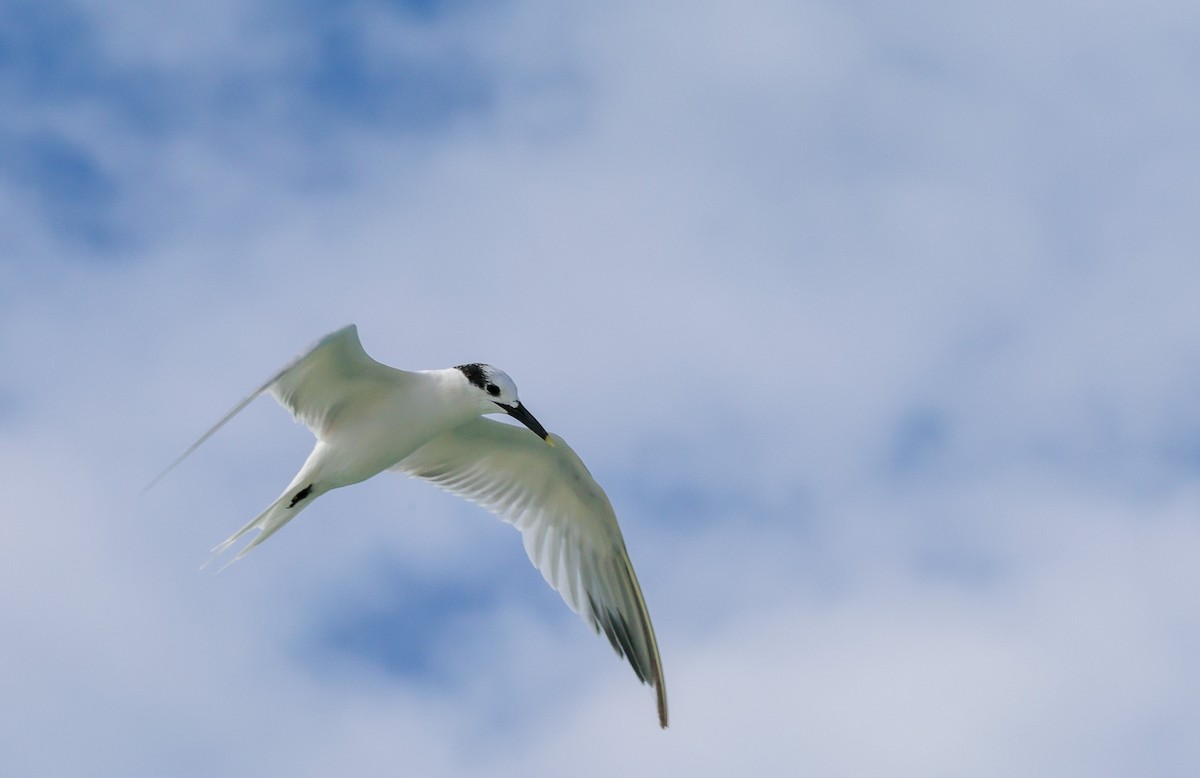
x=368 y=417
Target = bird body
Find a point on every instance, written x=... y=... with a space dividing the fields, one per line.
x=369 y=417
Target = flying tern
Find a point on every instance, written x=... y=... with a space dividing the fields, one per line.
x=368 y=417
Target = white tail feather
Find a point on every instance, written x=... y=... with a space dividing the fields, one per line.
x=278 y=513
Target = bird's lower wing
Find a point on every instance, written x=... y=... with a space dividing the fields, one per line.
x=315 y=386
x=566 y=521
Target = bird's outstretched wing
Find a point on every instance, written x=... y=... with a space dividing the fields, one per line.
x=314 y=386
x=566 y=521
x=332 y=376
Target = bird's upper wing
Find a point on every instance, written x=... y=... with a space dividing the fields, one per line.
x=328 y=378
x=314 y=386
x=566 y=521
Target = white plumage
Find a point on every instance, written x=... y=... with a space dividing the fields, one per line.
x=368 y=417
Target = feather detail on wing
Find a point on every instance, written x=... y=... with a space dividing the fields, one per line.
x=566 y=521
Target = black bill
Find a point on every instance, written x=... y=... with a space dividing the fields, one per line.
x=519 y=413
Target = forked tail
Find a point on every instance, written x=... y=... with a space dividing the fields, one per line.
x=295 y=499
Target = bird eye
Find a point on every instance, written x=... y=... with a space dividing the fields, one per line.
x=493 y=390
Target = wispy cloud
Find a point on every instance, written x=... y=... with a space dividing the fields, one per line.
x=877 y=325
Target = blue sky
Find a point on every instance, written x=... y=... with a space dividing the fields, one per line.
x=877 y=323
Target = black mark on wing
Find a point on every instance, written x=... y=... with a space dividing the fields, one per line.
x=619 y=634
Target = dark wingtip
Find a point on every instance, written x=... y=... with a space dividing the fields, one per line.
x=616 y=629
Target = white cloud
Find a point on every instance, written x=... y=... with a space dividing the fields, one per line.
x=878 y=328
